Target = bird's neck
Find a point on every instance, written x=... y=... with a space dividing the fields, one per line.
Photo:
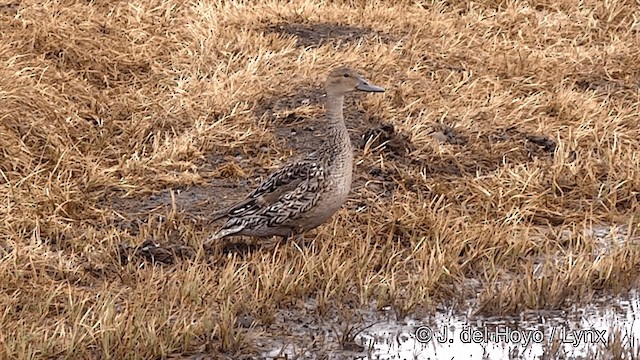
x=335 y=104
x=338 y=136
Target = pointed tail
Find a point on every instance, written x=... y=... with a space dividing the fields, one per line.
x=222 y=233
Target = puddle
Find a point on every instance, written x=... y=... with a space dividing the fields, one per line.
x=604 y=329
x=607 y=329
x=608 y=237
x=605 y=238
x=586 y=332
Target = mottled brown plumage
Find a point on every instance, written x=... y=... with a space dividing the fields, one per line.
x=303 y=194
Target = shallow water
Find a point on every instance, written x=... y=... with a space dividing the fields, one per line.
x=607 y=328
x=586 y=332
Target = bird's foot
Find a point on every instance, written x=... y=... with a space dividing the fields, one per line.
x=299 y=241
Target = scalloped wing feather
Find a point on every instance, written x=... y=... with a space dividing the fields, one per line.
x=279 y=201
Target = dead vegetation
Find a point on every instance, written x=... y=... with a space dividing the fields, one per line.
x=507 y=130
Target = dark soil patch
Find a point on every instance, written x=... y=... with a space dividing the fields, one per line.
x=192 y=207
x=271 y=106
x=443 y=166
x=193 y=201
x=603 y=84
x=302 y=132
x=303 y=138
x=297 y=129
x=481 y=154
x=96 y=73
x=534 y=144
x=382 y=182
x=154 y=253
x=449 y=135
x=313 y=35
x=5 y=248
x=385 y=137
x=10 y=8
x=545 y=143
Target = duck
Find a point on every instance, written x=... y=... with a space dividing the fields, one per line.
x=305 y=193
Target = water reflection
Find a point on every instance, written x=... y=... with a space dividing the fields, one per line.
x=607 y=329
x=604 y=329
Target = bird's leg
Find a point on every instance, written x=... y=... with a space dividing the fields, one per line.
x=296 y=235
x=299 y=240
x=285 y=239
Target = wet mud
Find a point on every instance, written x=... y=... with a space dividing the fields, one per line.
x=604 y=329
x=317 y=34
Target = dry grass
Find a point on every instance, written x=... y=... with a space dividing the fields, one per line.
x=507 y=129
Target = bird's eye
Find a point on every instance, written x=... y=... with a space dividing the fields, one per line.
x=346 y=75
